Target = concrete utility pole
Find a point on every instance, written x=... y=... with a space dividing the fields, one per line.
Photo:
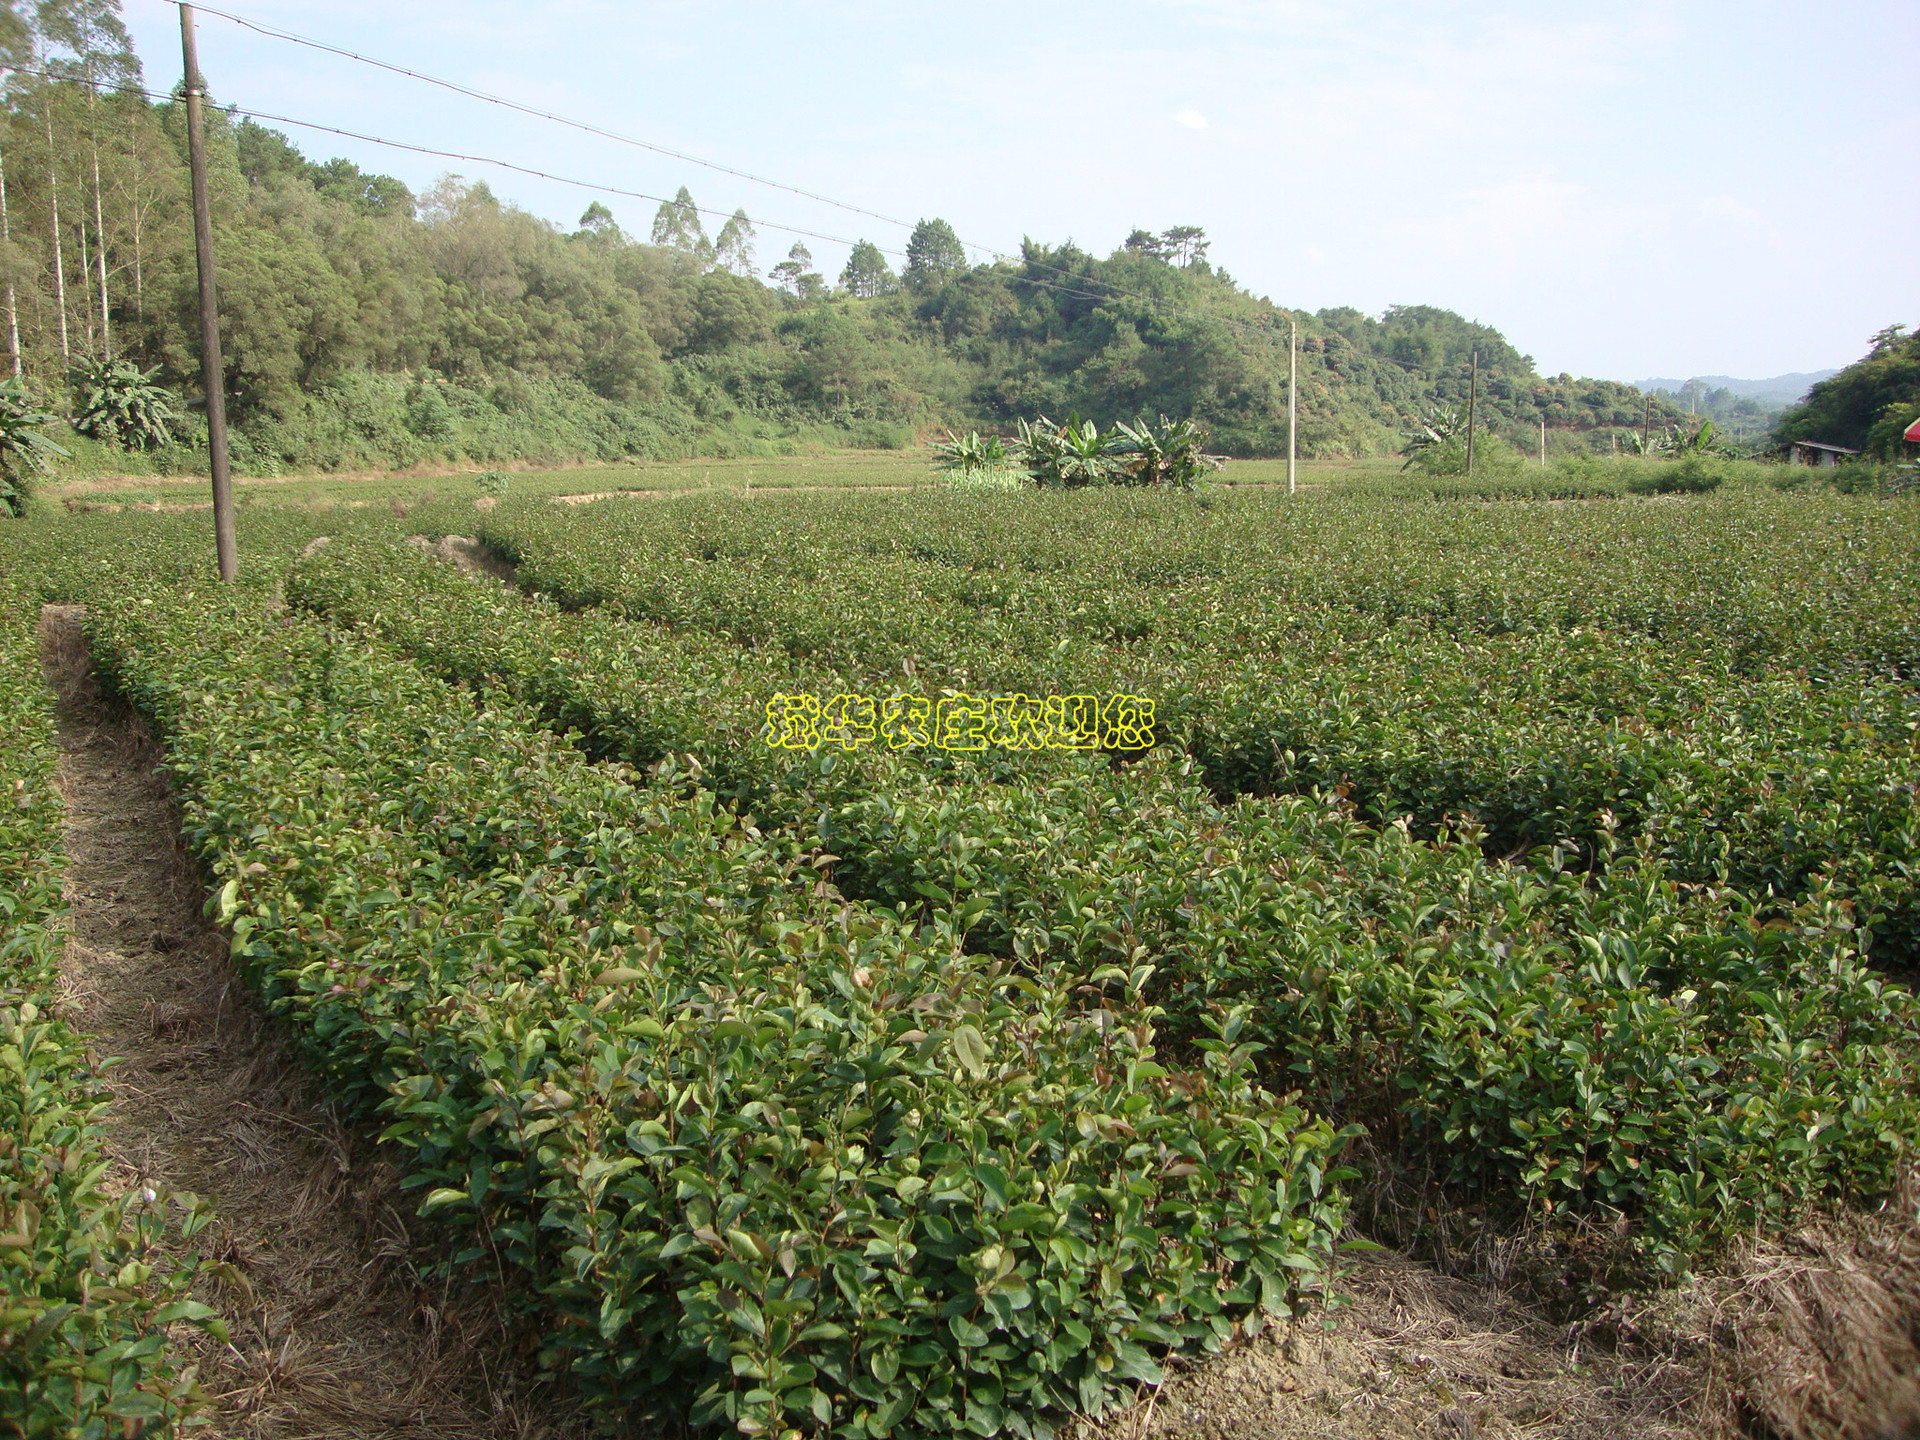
x=212 y=367
x=1293 y=405
x=1473 y=397
x=1543 y=438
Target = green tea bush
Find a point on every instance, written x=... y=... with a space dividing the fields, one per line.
x=1748 y=714
x=810 y=1161
x=1689 y=475
x=1535 y=1035
x=84 y=1298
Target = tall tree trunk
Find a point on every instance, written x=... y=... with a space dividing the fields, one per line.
x=13 y=305
x=86 y=280
x=99 y=214
x=59 y=260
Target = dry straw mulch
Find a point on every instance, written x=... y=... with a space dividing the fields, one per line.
x=335 y=1329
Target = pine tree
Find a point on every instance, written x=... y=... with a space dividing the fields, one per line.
x=934 y=255
x=867 y=273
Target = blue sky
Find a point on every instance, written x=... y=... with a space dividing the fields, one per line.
x=1649 y=187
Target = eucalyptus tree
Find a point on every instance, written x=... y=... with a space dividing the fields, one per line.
x=87 y=42
x=677 y=227
x=733 y=246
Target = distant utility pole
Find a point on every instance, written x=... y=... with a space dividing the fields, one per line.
x=1543 y=437
x=1293 y=405
x=1473 y=397
x=212 y=367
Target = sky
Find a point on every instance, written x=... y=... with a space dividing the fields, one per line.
x=1647 y=187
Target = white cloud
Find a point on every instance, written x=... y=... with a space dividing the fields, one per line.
x=1192 y=119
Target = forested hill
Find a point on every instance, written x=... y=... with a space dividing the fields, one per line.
x=1868 y=405
x=367 y=324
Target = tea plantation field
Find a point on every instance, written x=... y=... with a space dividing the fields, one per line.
x=1514 y=863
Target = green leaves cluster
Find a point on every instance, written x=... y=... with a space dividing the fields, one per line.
x=25 y=450
x=1074 y=452
x=1535 y=1032
x=119 y=402
x=83 y=1305
x=811 y=1160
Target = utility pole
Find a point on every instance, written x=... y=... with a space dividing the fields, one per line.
x=1473 y=396
x=212 y=367
x=1293 y=404
x=1543 y=437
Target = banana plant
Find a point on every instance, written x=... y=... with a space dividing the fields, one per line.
x=120 y=402
x=1066 y=455
x=1437 y=427
x=1164 y=452
x=24 y=451
x=1674 y=441
x=971 y=453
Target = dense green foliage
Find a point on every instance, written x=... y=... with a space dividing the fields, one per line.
x=83 y=1308
x=1866 y=406
x=119 y=402
x=1571 y=894
x=1727 y=685
x=1664 y=802
x=26 y=452
x=367 y=325
x=800 y=1162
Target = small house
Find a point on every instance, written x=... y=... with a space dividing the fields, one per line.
x=1812 y=452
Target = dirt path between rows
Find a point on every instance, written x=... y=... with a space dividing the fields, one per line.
x=340 y=1335
x=1409 y=1354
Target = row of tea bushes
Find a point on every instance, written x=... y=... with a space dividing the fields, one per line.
x=1826 y=583
x=84 y=1297
x=1592 y=1041
x=818 y=1166
x=1774 y=782
x=1605 y=1043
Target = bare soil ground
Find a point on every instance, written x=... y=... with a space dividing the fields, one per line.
x=335 y=1331
x=1406 y=1352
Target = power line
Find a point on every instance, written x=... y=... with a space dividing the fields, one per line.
x=249 y=113
x=1115 y=291
x=582 y=125
x=589 y=128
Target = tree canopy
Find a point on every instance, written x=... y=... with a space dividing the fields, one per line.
x=1867 y=405
x=475 y=317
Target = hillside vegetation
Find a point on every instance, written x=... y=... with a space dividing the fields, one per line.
x=366 y=325
x=1867 y=405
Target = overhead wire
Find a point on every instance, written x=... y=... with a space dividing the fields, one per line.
x=590 y=128
x=582 y=125
x=249 y=112
x=1111 y=291
x=1114 y=291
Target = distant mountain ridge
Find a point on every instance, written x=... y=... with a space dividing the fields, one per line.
x=1779 y=390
